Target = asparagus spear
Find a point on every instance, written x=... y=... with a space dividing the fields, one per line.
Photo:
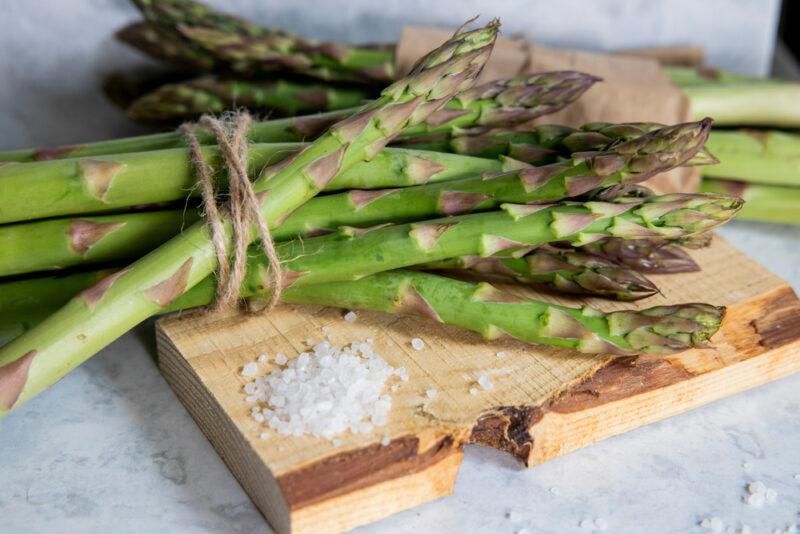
x=68 y=242
x=244 y=48
x=499 y=103
x=644 y=255
x=168 y=46
x=93 y=320
x=106 y=183
x=568 y=270
x=488 y=311
x=771 y=104
x=768 y=203
x=541 y=144
x=188 y=100
x=766 y=157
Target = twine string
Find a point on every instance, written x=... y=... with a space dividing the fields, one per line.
x=242 y=209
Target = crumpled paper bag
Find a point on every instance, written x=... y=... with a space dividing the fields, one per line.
x=634 y=89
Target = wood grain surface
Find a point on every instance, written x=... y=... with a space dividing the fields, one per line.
x=544 y=401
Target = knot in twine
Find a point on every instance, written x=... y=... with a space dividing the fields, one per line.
x=242 y=209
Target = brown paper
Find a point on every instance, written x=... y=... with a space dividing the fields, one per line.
x=633 y=89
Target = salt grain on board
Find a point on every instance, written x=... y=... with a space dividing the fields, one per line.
x=350 y=316
x=417 y=343
x=250 y=369
x=431 y=393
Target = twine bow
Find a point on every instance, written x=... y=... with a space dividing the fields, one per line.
x=242 y=210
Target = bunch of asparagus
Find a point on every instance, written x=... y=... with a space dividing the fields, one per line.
x=391 y=221
x=237 y=62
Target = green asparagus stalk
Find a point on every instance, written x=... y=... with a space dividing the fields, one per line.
x=240 y=47
x=768 y=203
x=55 y=244
x=108 y=183
x=188 y=100
x=68 y=242
x=493 y=313
x=97 y=317
x=770 y=104
x=499 y=103
x=567 y=270
x=168 y=46
x=644 y=255
x=757 y=156
x=540 y=145
x=27 y=302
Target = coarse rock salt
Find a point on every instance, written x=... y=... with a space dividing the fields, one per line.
x=332 y=390
x=263 y=358
x=771 y=495
x=485 y=382
x=417 y=343
x=431 y=393
x=600 y=524
x=250 y=369
x=350 y=316
x=473 y=391
x=264 y=435
x=586 y=524
x=385 y=442
x=522 y=531
x=554 y=490
x=756 y=487
x=797 y=476
x=500 y=355
x=744 y=530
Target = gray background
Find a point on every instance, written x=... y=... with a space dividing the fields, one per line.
x=110 y=448
x=54 y=53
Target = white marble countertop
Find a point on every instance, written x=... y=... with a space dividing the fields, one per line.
x=111 y=449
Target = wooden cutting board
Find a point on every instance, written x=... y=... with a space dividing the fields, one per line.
x=544 y=403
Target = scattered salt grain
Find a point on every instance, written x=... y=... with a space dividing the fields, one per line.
x=744 y=530
x=705 y=523
x=771 y=495
x=431 y=393
x=522 y=531
x=756 y=500
x=747 y=466
x=250 y=399
x=369 y=340
x=250 y=369
x=473 y=391
x=600 y=524
x=485 y=383
x=264 y=435
x=797 y=476
x=417 y=343
x=395 y=387
x=500 y=355
x=756 y=487
x=309 y=342
x=729 y=530
x=554 y=490
x=402 y=373
x=350 y=316
x=385 y=442
x=586 y=523
x=716 y=525
x=281 y=359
